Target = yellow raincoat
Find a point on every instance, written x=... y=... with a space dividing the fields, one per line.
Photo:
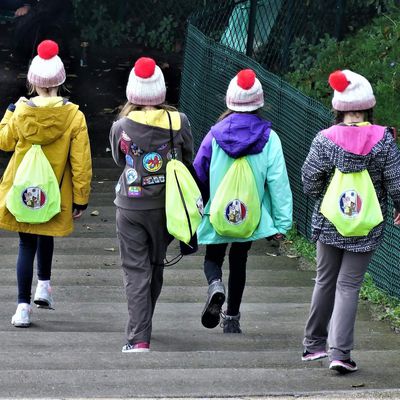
x=61 y=131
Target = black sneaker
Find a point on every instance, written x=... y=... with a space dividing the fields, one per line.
x=343 y=366
x=212 y=309
x=231 y=324
x=308 y=356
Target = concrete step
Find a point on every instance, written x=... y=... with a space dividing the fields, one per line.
x=170 y=294
x=105 y=277
x=111 y=260
x=186 y=382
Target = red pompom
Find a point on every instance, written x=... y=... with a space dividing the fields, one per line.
x=338 y=81
x=144 y=67
x=246 y=78
x=47 y=49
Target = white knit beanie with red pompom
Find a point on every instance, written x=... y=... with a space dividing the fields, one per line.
x=244 y=92
x=47 y=69
x=352 y=92
x=146 y=85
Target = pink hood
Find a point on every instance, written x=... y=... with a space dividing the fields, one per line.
x=357 y=140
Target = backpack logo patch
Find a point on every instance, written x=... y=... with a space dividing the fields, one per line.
x=34 y=197
x=350 y=204
x=235 y=212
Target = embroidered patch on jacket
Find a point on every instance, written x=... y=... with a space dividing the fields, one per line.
x=163 y=147
x=131 y=175
x=169 y=155
x=235 y=212
x=125 y=143
x=134 y=191
x=153 y=180
x=136 y=150
x=152 y=162
x=129 y=160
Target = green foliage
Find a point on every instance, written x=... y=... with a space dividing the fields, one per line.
x=301 y=245
x=374 y=51
x=155 y=24
x=388 y=307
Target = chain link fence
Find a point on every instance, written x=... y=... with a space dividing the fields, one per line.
x=212 y=58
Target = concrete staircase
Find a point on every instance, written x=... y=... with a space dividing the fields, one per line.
x=75 y=351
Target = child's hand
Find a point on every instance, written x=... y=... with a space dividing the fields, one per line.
x=76 y=214
x=396 y=217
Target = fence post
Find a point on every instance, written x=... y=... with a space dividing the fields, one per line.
x=251 y=27
x=340 y=11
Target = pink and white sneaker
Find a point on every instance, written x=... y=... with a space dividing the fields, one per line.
x=43 y=296
x=307 y=356
x=140 y=347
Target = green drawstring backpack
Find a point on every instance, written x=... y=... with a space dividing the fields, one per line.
x=235 y=210
x=34 y=197
x=183 y=201
x=351 y=204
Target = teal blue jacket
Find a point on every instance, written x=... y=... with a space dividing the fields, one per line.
x=273 y=187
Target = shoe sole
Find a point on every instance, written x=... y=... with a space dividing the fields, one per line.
x=43 y=303
x=136 y=351
x=314 y=357
x=211 y=314
x=21 y=324
x=342 y=368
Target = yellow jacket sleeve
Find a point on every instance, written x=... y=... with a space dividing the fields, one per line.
x=8 y=133
x=81 y=164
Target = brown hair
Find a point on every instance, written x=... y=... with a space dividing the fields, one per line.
x=228 y=112
x=129 y=107
x=368 y=115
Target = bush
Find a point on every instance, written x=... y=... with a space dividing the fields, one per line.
x=152 y=23
x=374 y=51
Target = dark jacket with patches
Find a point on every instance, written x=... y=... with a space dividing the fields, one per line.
x=352 y=149
x=140 y=143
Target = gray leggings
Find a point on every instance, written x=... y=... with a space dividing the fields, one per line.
x=340 y=274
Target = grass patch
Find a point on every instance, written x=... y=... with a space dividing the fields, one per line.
x=386 y=307
x=301 y=246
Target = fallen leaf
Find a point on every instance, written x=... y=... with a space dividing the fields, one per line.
x=292 y=256
x=271 y=254
x=357 y=385
x=109 y=248
x=95 y=213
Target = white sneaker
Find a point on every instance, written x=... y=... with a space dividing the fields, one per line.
x=22 y=317
x=43 y=297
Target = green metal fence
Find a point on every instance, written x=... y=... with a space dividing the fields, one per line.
x=209 y=64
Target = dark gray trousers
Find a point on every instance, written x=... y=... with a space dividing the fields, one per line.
x=340 y=274
x=143 y=240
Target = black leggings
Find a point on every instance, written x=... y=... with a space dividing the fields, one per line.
x=29 y=246
x=215 y=254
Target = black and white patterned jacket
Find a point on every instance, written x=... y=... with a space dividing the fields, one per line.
x=351 y=149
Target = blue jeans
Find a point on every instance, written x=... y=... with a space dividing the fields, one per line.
x=29 y=246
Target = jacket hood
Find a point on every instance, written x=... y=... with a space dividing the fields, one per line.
x=44 y=124
x=351 y=147
x=241 y=134
x=151 y=127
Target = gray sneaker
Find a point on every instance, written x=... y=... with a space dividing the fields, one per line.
x=212 y=309
x=230 y=323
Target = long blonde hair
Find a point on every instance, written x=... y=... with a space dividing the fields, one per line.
x=129 y=107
